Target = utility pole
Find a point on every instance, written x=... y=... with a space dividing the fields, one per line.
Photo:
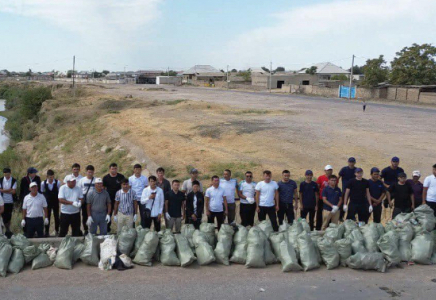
x=270 y=75
x=74 y=64
x=227 y=76
x=351 y=78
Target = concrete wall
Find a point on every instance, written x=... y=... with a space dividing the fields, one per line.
x=296 y=79
x=392 y=93
x=98 y=80
x=177 y=80
x=427 y=98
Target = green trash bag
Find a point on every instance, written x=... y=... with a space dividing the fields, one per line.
x=405 y=236
x=4 y=239
x=91 y=249
x=184 y=251
x=146 y=251
x=168 y=256
x=5 y=256
x=269 y=256
x=329 y=253
x=404 y=217
x=20 y=241
x=380 y=229
x=276 y=238
x=308 y=253
x=391 y=225
x=16 y=263
x=30 y=252
x=209 y=230
x=388 y=245
x=304 y=224
x=266 y=227
x=371 y=236
x=44 y=247
x=187 y=231
x=293 y=233
x=425 y=216
x=349 y=225
x=78 y=249
x=64 y=257
x=367 y=261
x=255 y=248
x=224 y=246
x=41 y=261
x=334 y=231
x=140 y=234
x=288 y=258
x=315 y=236
x=204 y=251
x=344 y=249
x=126 y=240
x=284 y=227
x=357 y=241
x=239 y=254
x=422 y=248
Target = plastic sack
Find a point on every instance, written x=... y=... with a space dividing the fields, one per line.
x=5 y=255
x=255 y=248
x=404 y=217
x=349 y=226
x=288 y=258
x=308 y=254
x=90 y=251
x=52 y=252
x=168 y=256
x=380 y=228
x=304 y=224
x=344 y=249
x=65 y=253
x=224 y=245
x=126 y=240
x=108 y=250
x=315 y=236
x=30 y=252
x=44 y=247
x=293 y=232
x=20 y=241
x=4 y=239
x=329 y=253
x=367 y=261
x=266 y=227
x=388 y=245
x=16 y=262
x=334 y=231
x=239 y=254
x=187 y=231
x=371 y=235
x=269 y=256
x=284 y=227
x=78 y=249
x=41 y=261
x=276 y=238
x=184 y=251
x=209 y=230
x=357 y=241
x=422 y=248
x=405 y=236
x=204 y=251
x=140 y=234
x=391 y=225
x=425 y=216
x=146 y=251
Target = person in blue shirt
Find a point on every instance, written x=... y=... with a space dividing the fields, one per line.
x=346 y=174
x=287 y=194
x=377 y=190
x=332 y=199
x=309 y=195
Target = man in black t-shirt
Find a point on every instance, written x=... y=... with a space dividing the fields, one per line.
x=402 y=194
x=175 y=207
x=112 y=184
x=357 y=198
x=390 y=176
x=309 y=193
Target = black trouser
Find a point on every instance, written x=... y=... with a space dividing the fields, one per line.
x=85 y=216
x=271 y=212
x=196 y=223
x=433 y=206
x=311 y=211
x=361 y=209
x=376 y=213
x=52 y=205
x=7 y=213
x=219 y=218
x=68 y=220
x=396 y=211
x=319 y=214
x=112 y=211
x=288 y=210
x=156 y=222
x=247 y=213
x=34 y=225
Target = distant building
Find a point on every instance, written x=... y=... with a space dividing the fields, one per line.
x=147 y=76
x=325 y=71
x=277 y=80
x=203 y=74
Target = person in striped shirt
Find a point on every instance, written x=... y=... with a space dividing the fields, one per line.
x=126 y=206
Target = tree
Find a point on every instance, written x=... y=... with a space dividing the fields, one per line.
x=311 y=70
x=105 y=72
x=357 y=70
x=341 y=77
x=280 y=69
x=234 y=71
x=414 y=65
x=245 y=74
x=170 y=73
x=265 y=69
x=29 y=73
x=69 y=73
x=375 y=71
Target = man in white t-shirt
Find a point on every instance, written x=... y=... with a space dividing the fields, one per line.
x=34 y=210
x=247 y=206
x=429 y=193
x=230 y=186
x=267 y=199
x=216 y=202
x=71 y=199
x=138 y=183
x=87 y=185
x=75 y=172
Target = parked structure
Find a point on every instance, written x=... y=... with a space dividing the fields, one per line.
x=147 y=76
x=200 y=74
x=280 y=79
x=325 y=71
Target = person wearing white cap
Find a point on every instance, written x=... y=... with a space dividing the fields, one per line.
x=34 y=209
x=429 y=193
x=417 y=187
x=71 y=199
x=99 y=208
x=322 y=182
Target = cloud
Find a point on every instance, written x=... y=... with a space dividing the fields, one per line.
x=333 y=31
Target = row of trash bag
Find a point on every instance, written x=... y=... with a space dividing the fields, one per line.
x=408 y=238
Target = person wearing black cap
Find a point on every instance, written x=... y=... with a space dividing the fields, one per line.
x=357 y=198
x=187 y=184
x=390 y=176
x=309 y=195
x=8 y=190
x=377 y=192
x=401 y=194
x=346 y=174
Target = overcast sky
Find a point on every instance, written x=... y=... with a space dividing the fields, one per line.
x=155 y=34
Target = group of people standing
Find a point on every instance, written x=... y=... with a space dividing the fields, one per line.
x=89 y=204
